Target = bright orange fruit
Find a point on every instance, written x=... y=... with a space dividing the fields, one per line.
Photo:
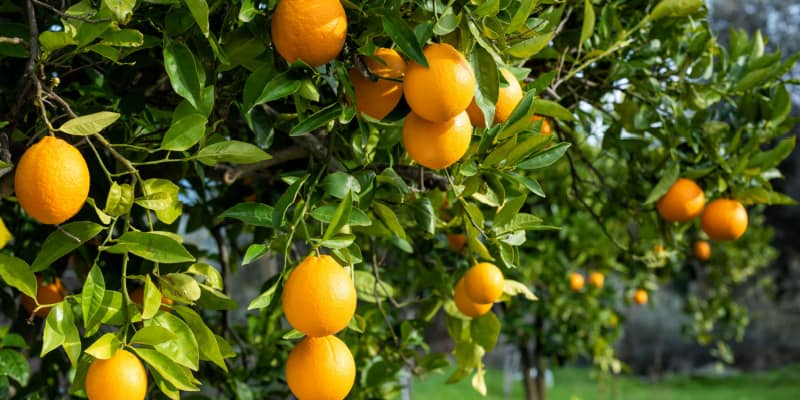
x=436 y=145
x=121 y=377
x=682 y=202
x=576 y=281
x=320 y=368
x=46 y=293
x=312 y=31
x=467 y=306
x=483 y=283
x=702 y=250
x=507 y=99
x=724 y=219
x=444 y=89
x=377 y=99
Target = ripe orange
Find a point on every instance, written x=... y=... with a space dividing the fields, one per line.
x=319 y=298
x=546 y=128
x=659 y=249
x=312 y=31
x=121 y=377
x=467 y=306
x=52 y=181
x=640 y=296
x=483 y=283
x=320 y=368
x=137 y=296
x=46 y=293
x=576 y=281
x=507 y=99
x=456 y=241
x=436 y=145
x=444 y=89
x=597 y=279
x=377 y=99
x=682 y=202
x=702 y=250
x=724 y=219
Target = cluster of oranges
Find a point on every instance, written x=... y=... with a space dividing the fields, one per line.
x=478 y=289
x=597 y=279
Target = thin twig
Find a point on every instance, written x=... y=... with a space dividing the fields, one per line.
x=377 y=295
x=62 y=14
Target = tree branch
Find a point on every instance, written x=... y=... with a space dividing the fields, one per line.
x=62 y=14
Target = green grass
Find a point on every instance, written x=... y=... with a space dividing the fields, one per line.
x=576 y=384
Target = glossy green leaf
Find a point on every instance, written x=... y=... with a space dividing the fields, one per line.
x=105 y=347
x=16 y=273
x=588 y=21
x=545 y=157
x=675 y=8
x=231 y=151
x=485 y=330
x=340 y=217
x=254 y=252
x=184 y=133
x=60 y=330
x=317 y=120
x=184 y=349
x=209 y=348
x=58 y=244
x=94 y=289
x=401 y=34
x=262 y=87
x=199 y=10
x=286 y=200
x=14 y=365
x=389 y=218
x=325 y=214
x=180 y=286
x=167 y=368
x=184 y=73
x=339 y=184
x=256 y=214
x=152 y=335
x=153 y=247
x=667 y=180
x=89 y=124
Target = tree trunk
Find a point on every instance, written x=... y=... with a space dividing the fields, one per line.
x=531 y=391
x=541 y=383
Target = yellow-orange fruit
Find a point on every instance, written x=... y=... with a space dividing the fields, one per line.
x=52 y=181
x=436 y=145
x=320 y=368
x=576 y=281
x=682 y=202
x=507 y=99
x=483 y=283
x=319 y=298
x=546 y=128
x=467 y=306
x=457 y=241
x=444 y=89
x=640 y=296
x=724 y=219
x=312 y=31
x=121 y=377
x=46 y=293
x=702 y=250
x=597 y=279
x=377 y=99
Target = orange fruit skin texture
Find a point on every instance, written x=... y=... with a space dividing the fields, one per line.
x=121 y=377
x=682 y=202
x=377 y=99
x=436 y=145
x=456 y=241
x=702 y=250
x=507 y=100
x=597 y=279
x=46 y=293
x=444 y=89
x=137 y=296
x=576 y=281
x=724 y=219
x=320 y=369
x=467 y=306
x=546 y=128
x=52 y=181
x=319 y=298
x=312 y=31
x=483 y=283
x=640 y=296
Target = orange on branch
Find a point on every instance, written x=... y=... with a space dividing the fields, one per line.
x=507 y=99
x=576 y=281
x=467 y=306
x=121 y=377
x=312 y=31
x=724 y=219
x=444 y=89
x=436 y=145
x=46 y=293
x=682 y=202
x=702 y=250
x=320 y=368
x=377 y=99
x=483 y=283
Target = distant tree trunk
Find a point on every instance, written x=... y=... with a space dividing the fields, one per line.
x=531 y=391
x=535 y=388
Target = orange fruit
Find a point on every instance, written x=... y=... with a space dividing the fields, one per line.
x=682 y=202
x=320 y=368
x=137 y=296
x=121 y=377
x=640 y=296
x=456 y=241
x=576 y=281
x=319 y=298
x=444 y=89
x=52 y=181
x=597 y=279
x=546 y=128
x=436 y=145
x=702 y=250
x=724 y=219
x=312 y=31
x=46 y=293
x=507 y=99
x=467 y=306
x=659 y=249
x=483 y=283
x=377 y=99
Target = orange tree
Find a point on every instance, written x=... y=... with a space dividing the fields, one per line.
x=278 y=130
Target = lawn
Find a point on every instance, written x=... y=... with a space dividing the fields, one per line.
x=576 y=384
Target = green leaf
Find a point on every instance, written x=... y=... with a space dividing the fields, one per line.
x=339 y=184
x=675 y=8
x=60 y=330
x=488 y=80
x=402 y=35
x=325 y=214
x=184 y=133
x=485 y=330
x=317 y=120
x=545 y=157
x=264 y=299
x=286 y=200
x=254 y=252
x=769 y=159
x=16 y=273
x=122 y=38
x=153 y=247
x=152 y=335
x=367 y=290
x=105 y=347
x=119 y=200
x=425 y=215
x=260 y=88
x=199 y=10
x=89 y=124
x=122 y=9
x=210 y=275
x=468 y=354
x=754 y=78
x=184 y=349
x=184 y=73
x=759 y=195
x=151 y=299
x=447 y=22
x=213 y=299
x=166 y=191
x=248 y=11
x=209 y=348
x=530 y=47
x=94 y=289
x=256 y=214
x=14 y=365
x=231 y=151
x=167 y=368
x=552 y=109
x=588 y=21
x=180 y=286
x=340 y=217
x=514 y=288
x=388 y=217
x=660 y=189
